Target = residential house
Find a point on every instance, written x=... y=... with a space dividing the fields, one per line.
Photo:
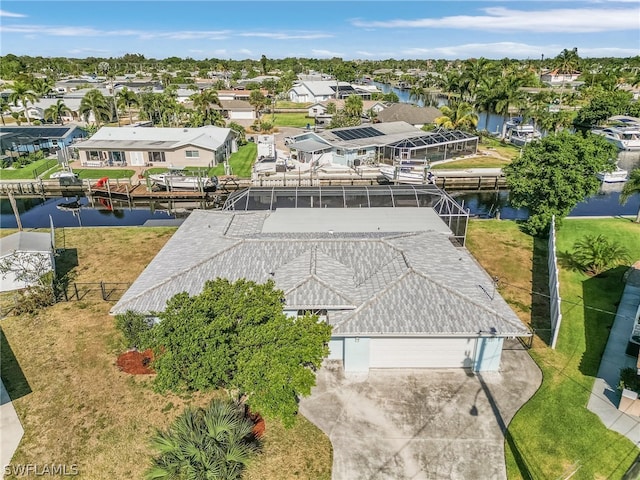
x=237 y=110
x=16 y=140
x=319 y=91
x=391 y=142
x=28 y=255
x=557 y=77
x=319 y=109
x=395 y=287
x=160 y=147
x=411 y=114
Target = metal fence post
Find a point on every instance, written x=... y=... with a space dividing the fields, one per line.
x=102 y=289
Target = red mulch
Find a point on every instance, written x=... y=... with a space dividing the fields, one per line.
x=135 y=362
x=259 y=426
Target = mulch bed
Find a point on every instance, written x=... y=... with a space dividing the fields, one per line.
x=258 y=425
x=135 y=362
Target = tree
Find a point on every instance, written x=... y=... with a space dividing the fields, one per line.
x=21 y=95
x=35 y=271
x=236 y=336
x=632 y=187
x=127 y=98
x=204 y=102
x=555 y=173
x=257 y=101
x=595 y=254
x=353 y=106
x=94 y=103
x=458 y=116
x=602 y=106
x=215 y=443
x=263 y=62
x=4 y=105
x=56 y=111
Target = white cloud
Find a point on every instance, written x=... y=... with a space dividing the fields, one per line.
x=510 y=50
x=245 y=51
x=4 y=13
x=73 y=31
x=326 y=53
x=500 y=19
x=365 y=54
x=286 y=36
x=90 y=51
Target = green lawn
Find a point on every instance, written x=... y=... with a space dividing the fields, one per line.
x=240 y=162
x=299 y=120
x=477 y=162
x=93 y=173
x=27 y=172
x=554 y=435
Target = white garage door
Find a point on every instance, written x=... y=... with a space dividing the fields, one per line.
x=421 y=352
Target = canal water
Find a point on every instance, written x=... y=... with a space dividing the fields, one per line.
x=35 y=212
x=491 y=123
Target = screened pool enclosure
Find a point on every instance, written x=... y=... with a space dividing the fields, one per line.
x=416 y=196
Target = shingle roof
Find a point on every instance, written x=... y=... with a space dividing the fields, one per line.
x=412 y=114
x=394 y=283
x=208 y=137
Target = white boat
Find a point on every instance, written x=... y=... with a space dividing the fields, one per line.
x=406 y=175
x=520 y=134
x=176 y=179
x=625 y=138
x=617 y=176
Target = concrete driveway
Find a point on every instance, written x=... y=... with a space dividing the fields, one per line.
x=421 y=424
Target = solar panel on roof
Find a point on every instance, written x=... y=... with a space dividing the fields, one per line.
x=36 y=132
x=354 y=133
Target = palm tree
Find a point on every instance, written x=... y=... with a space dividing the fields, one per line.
x=458 y=116
x=41 y=86
x=353 y=106
x=94 y=102
x=595 y=254
x=216 y=442
x=4 y=105
x=56 y=111
x=127 y=98
x=487 y=96
x=632 y=187
x=475 y=72
x=22 y=95
x=204 y=101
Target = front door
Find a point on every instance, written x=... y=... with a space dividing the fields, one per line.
x=137 y=159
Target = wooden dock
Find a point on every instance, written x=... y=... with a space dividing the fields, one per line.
x=476 y=179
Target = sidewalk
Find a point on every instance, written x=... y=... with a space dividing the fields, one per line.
x=11 y=430
x=605 y=396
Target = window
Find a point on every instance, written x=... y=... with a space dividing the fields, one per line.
x=54 y=142
x=156 y=157
x=93 y=155
x=322 y=312
x=339 y=152
x=193 y=154
x=362 y=151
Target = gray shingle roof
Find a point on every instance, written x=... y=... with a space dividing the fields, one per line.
x=374 y=283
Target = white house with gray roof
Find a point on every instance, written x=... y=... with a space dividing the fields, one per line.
x=160 y=147
x=396 y=289
x=388 y=142
x=321 y=90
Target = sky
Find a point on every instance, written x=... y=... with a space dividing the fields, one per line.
x=445 y=29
